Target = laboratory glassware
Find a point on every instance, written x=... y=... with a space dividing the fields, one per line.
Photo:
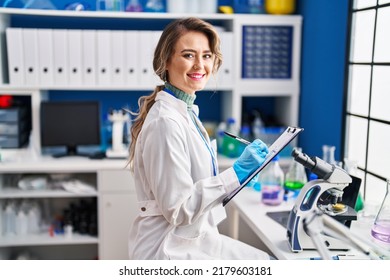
x=381 y=227
x=328 y=154
x=133 y=6
x=272 y=180
x=296 y=176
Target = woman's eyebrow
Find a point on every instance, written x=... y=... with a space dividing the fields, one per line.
x=194 y=51
x=188 y=50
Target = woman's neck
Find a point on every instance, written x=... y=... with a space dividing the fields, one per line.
x=179 y=94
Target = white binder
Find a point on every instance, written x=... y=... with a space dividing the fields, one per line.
x=75 y=57
x=89 y=57
x=45 y=57
x=30 y=49
x=60 y=51
x=15 y=56
x=225 y=73
x=145 y=56
x=132 y=68
x=104 y=57
x=155 y=38
x=117 y=56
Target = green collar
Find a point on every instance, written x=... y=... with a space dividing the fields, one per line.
x=179 y=94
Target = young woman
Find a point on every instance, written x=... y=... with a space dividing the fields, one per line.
x=175 y=168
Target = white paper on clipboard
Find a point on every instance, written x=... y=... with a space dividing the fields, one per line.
x=284 y=139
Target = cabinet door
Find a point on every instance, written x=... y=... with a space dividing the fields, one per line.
x=115 y=181
x=117 y=212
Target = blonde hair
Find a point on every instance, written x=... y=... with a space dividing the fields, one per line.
x=163 y=52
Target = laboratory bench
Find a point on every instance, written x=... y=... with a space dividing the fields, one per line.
x=246 y=207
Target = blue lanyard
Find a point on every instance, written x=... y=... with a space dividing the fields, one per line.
x=207 y=145
x=213 y=161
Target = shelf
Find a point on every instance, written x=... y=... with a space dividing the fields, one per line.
x=13 y=164
x=24 y=89
x=45 y=239
x=12 y=193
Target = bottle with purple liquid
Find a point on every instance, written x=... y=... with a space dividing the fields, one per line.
x=381 y=228
x=272 y=181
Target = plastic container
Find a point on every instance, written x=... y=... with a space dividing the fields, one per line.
x=230 y=146
x=207 y=6
x=134 y=6
x=272 y=179
x=220 y=135
x=9 y=219
x=110 y=5
x=181 y=6
x=280 y=7
x=257 y=126
x=154 y=6
x=248 y=6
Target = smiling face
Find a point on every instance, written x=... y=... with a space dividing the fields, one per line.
x=191 y=64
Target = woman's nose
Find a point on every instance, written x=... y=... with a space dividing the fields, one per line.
x=198 y=64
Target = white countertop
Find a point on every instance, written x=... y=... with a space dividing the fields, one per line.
x=248 y=205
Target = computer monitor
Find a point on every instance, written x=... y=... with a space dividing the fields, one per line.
x=70 y=124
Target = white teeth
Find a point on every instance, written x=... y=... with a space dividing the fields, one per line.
x=197 y=76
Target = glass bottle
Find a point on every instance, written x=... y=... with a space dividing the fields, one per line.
x=272 y=180
x=328 y=154
x=134 y=6
x=154 y=6
x=296 y=177
x=381 y=227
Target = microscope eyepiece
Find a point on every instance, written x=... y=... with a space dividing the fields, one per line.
x=314 y=164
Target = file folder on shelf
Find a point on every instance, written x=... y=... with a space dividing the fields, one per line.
x=132 y=68
x=45 y=56
x=117 y=56
x=74 y=56
x=155 y=38
x=89 y=65
x=14 y=38
x=104 y=57
x=30 y=49
x=60 y=51
x=145 y=56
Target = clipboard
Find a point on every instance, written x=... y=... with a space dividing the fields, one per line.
x=283 y=140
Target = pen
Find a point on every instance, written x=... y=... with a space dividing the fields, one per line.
x=242 y=140
x=340 y=257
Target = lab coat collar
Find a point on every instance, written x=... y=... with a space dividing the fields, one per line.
x=180 y=105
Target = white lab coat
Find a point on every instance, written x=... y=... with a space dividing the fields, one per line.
x=179 y=198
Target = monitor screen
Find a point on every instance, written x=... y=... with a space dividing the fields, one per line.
x=70 y=124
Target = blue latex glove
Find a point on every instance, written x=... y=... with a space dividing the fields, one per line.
x=252 y=182
x=251 y=158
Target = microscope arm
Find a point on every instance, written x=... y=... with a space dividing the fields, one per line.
x=317 y=223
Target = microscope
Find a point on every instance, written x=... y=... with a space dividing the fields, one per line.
x=118 y=119
x=324 y=194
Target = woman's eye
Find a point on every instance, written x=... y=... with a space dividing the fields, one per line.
x=188 y=55
x=208 y=56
